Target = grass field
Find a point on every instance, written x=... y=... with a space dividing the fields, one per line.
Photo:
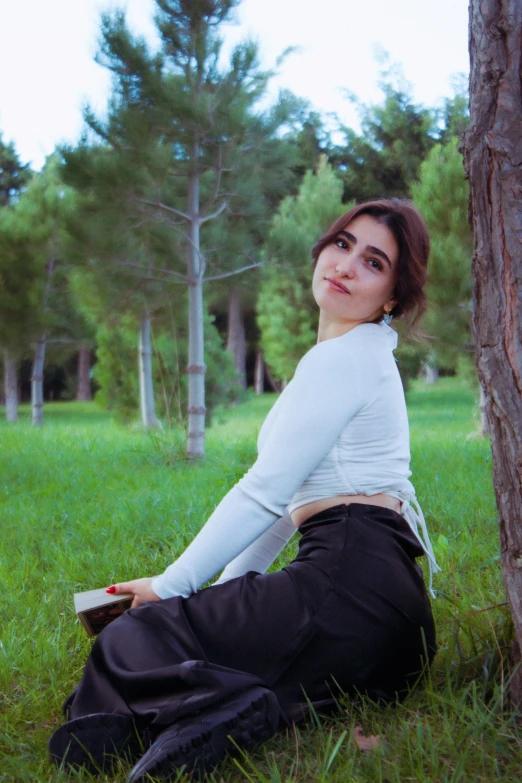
x=86 y=502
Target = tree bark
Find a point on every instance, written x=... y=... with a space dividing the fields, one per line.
x=83 y=390
x=493 y=157
x=148 y=411
x=196 y=347
x=37 y=382
x=259 y=373
x=236 y=339
x=10 y=388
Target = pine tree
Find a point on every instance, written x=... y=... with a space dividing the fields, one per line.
x=183 y=134
x=41 y=212
x=13 y=177
x=396 y=136
x=441 y=194
x=18 y=319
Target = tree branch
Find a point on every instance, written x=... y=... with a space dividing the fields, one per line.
x=161 y=205
x=168 y=272
x=214 y=214
x=165 y=280
x=234 y=272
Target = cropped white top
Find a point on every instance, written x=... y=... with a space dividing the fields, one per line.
x=339 y=428
x=360 y=401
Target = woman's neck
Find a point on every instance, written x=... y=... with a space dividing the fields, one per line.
x=330 y=328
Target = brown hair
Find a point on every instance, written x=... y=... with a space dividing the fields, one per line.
x=409 y=230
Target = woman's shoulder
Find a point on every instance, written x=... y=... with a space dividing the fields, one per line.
x=366 y=343
x=364 y=336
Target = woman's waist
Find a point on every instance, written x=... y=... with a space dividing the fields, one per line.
x=307 y=510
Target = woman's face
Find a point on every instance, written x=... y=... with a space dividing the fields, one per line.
x=355 y=276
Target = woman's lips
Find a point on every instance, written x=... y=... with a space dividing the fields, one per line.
x=336 y=286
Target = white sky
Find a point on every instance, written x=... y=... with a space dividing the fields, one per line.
x=48 y=71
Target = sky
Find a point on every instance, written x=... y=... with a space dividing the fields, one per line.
x=49 y=73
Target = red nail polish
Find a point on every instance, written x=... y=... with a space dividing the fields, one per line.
x=111 y=589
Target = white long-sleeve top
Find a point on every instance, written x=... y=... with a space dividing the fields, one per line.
x=339 y=428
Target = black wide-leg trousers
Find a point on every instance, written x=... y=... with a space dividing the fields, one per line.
x=349 y=615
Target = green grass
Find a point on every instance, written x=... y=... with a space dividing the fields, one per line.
x=85 y=502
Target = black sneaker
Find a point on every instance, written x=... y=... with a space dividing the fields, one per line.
x=199 y=742
x=95 y=742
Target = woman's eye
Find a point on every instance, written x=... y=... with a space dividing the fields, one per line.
x=375 y=264
x=341 y=243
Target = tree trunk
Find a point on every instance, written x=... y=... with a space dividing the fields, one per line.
x=431 y=373
x=196 y=349
x=37 y=382
x=493 y=156
x=83 y=390
x=276 y=386
x=259 y=373
x=236 y=340
x=10 y=388
x=148 y=412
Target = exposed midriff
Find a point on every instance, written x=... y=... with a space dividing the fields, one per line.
x=299 y=515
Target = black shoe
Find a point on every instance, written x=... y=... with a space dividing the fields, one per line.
x=95 y=742
x=199 y=742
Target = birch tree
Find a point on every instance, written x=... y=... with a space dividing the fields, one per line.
x=492 y=151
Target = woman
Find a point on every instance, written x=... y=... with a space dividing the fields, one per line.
x=183 y=671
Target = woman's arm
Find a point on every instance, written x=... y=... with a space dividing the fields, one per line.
x=314 y=408
x=260 y=555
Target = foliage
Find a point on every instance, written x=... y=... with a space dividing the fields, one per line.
x=454 y=114
x=410 y=355
x=86 y=502
x=19 y=316
x=396 y=135
x=312 y=142
x=441 y=194
x=14 y=175
x=116 y=369
x=35 y=297
x=287 y=314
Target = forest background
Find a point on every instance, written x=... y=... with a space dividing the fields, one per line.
x=163 y=261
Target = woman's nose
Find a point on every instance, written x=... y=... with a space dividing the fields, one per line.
x=346 y=267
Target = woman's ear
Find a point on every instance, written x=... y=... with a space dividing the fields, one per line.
x=389 y=305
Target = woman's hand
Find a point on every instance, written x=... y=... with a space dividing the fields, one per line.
x=140 y=588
